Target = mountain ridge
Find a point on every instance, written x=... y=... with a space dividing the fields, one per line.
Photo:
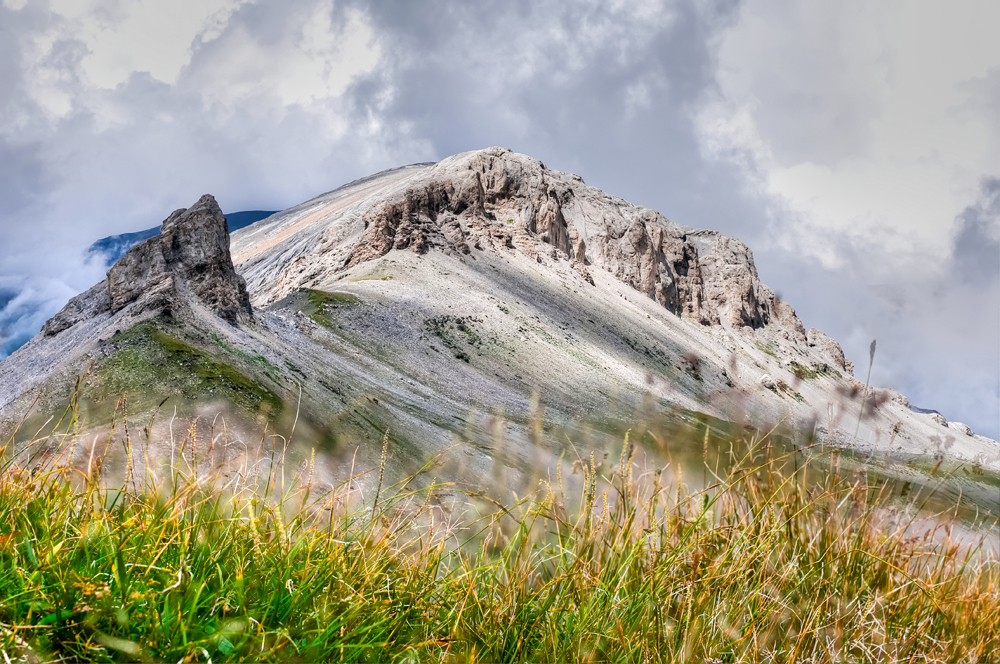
x=461 y=299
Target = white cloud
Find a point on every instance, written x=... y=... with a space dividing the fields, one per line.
x=870 y=131
x=93 y=44
x=114 y=113
x=312 y=59
x=859 y=118
x=151 y=36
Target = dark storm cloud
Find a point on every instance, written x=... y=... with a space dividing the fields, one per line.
x=584 y=87
x=976 y=255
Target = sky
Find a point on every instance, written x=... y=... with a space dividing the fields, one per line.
x=854 y=145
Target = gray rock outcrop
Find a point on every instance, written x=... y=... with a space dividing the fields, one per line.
x=829 y=348
x=961 y=428
x=189 y=259
x=86 y=305
x=898 y=398
x=497 y=199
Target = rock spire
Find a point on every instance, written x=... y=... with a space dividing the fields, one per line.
x=188 y=262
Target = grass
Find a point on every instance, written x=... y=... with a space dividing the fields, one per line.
x=803 y=372
x=254 y=359
x=150 y=361
x=323 y=305
x=767 y=348
x=197 y=561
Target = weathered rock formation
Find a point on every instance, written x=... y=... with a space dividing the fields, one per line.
x=961 y=428
x=830 y=348
x=189 y=258
x=86 y=305
x=498 y=200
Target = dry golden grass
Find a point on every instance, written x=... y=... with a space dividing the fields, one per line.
x=774 y=561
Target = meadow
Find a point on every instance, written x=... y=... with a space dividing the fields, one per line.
x=777 y=555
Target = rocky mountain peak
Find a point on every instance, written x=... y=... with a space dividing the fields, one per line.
x=497 y=200
x=189 y=261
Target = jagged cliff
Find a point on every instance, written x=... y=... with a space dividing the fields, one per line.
x=495 y=199
x=499 y=199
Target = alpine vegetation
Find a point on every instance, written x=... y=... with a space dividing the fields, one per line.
x=780 y=555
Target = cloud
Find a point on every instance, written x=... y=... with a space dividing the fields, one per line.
x=266 y=105
x=936 y=320
x=865 y=130
x=103 y=130
x=860 y=117
x=606 y=90
x=20 y=313
x=307 y=54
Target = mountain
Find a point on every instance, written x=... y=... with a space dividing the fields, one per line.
x=113 y=247
x=485 y=302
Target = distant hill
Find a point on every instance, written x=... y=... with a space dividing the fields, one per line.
x=114 y=247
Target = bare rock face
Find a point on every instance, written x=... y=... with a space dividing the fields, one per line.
x=731 y=286
x=189 y=258
x=191 y=253
x=829 y=347
x=652 y=255
x=791 y=327
x=961 y=428
x=86 y=305
x=939 y=418
x=496 y=199
x=899 y=398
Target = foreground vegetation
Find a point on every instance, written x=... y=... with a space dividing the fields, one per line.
x=773 y=561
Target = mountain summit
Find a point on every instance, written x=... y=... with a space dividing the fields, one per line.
x=497 y=200
x=482 y=297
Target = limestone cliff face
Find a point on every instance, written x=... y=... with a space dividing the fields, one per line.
x=494 y=199
x=188 y=259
